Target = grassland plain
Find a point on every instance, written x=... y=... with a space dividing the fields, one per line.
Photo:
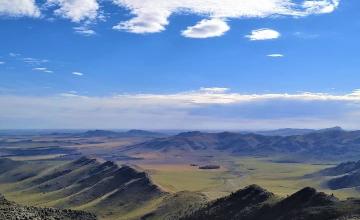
x=282 y=178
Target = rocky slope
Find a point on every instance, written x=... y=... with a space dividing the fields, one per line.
x=13 y=211
x=255 y=203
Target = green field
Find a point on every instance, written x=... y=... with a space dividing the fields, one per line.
x=238 y=172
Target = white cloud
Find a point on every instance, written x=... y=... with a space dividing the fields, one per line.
x=76 y=10
x=83 y=30
x=19 y=8
x=2 y=62
x=223 y=96
x=207 y=108
x=320 y=6
x=43 y=69
x=145 y=22
x=151 y=16
x=263 y=34
x=275 y=55
x=77 y=73
x=207 y=28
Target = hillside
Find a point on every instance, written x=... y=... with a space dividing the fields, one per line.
x=333 y=143
x=176 y=205
x=12 y=211
x=344 y=175
x=255 y=203
x=87 y=184
x=341 y=169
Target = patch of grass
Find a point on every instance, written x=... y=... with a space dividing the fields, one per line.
x=191 y=180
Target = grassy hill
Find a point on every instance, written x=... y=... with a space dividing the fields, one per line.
x=85 y=184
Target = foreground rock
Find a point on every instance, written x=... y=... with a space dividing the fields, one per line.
x=12 y=211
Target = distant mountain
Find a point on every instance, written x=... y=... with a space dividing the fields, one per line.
x=12 y=211
x=100 y=133
x=255 y=203
x=130 y=133
x=102 y=188
x=285 y=132
x=333 y=143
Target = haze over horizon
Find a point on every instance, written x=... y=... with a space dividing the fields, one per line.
x=181 y=64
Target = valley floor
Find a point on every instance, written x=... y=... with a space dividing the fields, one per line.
x=282 y=178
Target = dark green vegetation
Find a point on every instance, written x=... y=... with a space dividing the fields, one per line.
x=12 y=211
x=255 y=203
x=209 y=167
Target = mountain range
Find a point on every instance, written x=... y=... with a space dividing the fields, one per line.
x=130 y=133
x=333 y=143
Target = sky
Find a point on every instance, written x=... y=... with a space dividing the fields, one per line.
x=179 y=64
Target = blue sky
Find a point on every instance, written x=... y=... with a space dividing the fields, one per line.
x=131 y=63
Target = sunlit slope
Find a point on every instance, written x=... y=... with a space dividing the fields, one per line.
x=87 y=184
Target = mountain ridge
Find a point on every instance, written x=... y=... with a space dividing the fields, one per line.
x=256 y=203
x=103 y=188
x=326 y=143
